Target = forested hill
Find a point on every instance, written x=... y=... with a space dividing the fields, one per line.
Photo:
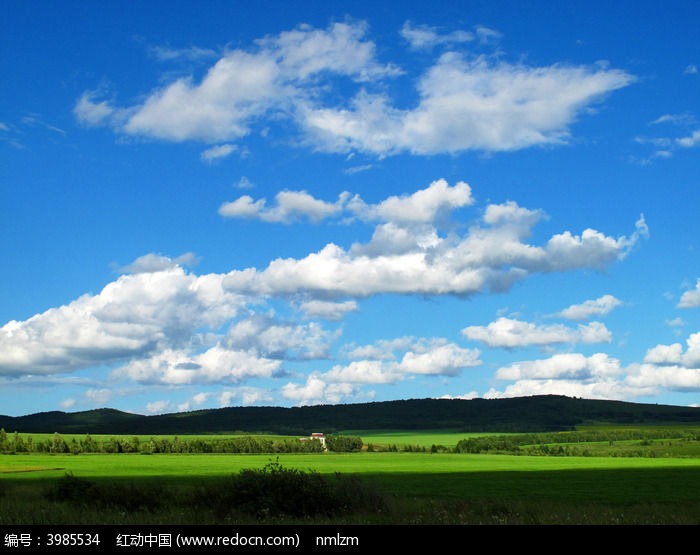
x=521 y=414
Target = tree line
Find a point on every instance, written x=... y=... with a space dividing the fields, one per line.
x=550 y=443
x=56 y=443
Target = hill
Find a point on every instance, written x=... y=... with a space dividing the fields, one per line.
x=520 y=414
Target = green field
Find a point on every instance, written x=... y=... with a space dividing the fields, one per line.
x=421 y=487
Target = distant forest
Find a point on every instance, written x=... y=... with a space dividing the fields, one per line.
x=543 y=413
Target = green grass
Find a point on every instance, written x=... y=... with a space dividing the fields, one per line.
x=439 y=488
x=423 y=438
x=402 y=473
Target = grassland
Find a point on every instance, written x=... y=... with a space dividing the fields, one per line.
x=419 y=487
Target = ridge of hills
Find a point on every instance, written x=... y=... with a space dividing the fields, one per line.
x=537 y=413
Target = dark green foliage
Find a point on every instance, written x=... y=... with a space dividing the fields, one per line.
x=344 y=444
x=244 y=444
x=275 y=491
x=546 y=443
x=521 y=414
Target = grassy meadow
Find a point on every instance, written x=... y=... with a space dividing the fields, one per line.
x=605 y=487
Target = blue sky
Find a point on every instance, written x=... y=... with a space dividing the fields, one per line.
x=275 y=203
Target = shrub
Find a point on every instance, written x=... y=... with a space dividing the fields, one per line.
x=344 y=444
x=275 y=491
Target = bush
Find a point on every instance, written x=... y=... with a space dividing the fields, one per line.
x=275 y=491
x=344 y=444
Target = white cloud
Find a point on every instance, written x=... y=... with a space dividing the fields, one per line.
x=244 y=183
x=425 y=357
x=691 y=298
x=664 y=354
x=464 y=103
x=422 y=37
x=159 y=324
x=98 y=396
x=247 y=395
x=562 y=366
x=67 y=403
x=363 y=372
x=464 y=396
x=157 y=262
x=316 y=391
x=670 y=377
x=596 y=307
x=289 y=206
x=572 y=374
x=158 y=407
x=605 y=389
x=691 y=69
x=328 y=310
x=443 y=359
x=690 y=141
x=383 y=349
x=677 y=119
x=244 y=85
x=425 y=206
x=280 y=340
x=509 y=333
x=215 y=365
x=89 y=112
x=414 y=259
x=673 y=354
x=193 y=53
x=217 y=152
x=134 y=316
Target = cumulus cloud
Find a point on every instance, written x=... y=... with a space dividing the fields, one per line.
x=596 y=307
x=328 y=310
x=562 y=366
x=674 y=355
x=669 y=377
x=509 y=333
x=243 y=85
x=158 y=407
x=280 y=340
x=152 y=262
x=289 y=206
x=158 y=324
x=425 y=206
x=464 y=103
x=245 y=396
x=385 y=362
x=606 y=389
x=215 y=365
x=665 y=367
x=134 y=316
x=407 y=254
x=691 y=298
x=316 y=391
x=572 y=374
